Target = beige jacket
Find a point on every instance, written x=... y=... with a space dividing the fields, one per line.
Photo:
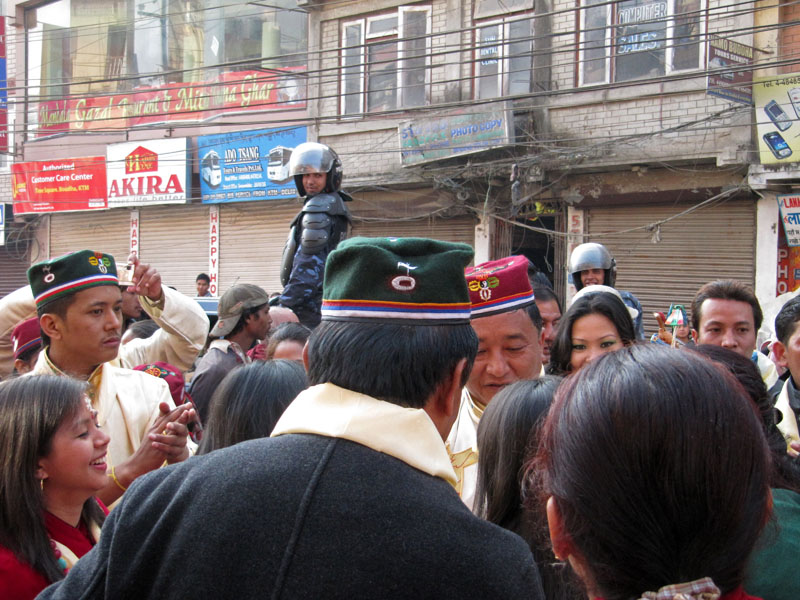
x=788 y=424
x=184 y=329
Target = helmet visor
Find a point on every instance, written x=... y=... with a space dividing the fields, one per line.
x=310 y=158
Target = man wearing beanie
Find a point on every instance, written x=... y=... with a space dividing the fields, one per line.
x=352 y=496
x=509 y=328
x=79 y=306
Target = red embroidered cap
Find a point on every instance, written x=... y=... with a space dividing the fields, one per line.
x=499 y=286
x=26 y=336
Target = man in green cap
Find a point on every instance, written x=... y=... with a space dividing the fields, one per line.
x=79 y=306
x=353 y=495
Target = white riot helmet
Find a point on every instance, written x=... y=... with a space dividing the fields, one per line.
x=312 y=157
x=592 y=256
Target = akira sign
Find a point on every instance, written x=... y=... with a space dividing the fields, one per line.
x=59 y=185
x=234 y=92
x=149 y=172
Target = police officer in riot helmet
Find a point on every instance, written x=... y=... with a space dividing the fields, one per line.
x=592 y=264
x=315 y=231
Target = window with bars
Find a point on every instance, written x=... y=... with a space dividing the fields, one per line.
x=385 y=61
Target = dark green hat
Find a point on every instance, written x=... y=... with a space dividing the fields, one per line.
x=408 y=280
x=59 y=277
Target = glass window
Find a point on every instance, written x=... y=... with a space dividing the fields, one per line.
x=504 y=58
x=87 y=47
x=389 y=64
x=636 y=39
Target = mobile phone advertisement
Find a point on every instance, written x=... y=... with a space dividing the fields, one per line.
x=248 y=165
x=789 y=205
x=777 y=106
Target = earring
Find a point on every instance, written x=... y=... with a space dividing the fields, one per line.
x=41 y=484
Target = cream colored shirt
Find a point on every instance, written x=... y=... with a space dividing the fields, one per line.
x=463 y=446
x=407 y=434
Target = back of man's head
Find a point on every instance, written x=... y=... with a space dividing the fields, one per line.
x=787 y=320
x=395 y=318
x=725 y=289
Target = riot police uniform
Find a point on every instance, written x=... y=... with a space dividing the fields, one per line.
x=315 y=231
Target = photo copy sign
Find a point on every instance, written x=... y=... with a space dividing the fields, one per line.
x=59 y=185
x=148 y=172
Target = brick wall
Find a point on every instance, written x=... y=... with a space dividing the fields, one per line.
x=367 y=153
x=789 y=37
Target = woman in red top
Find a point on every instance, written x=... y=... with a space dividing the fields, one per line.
x=53 y=462
x=655 y=473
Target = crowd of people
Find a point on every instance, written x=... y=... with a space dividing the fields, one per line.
x=420 y=428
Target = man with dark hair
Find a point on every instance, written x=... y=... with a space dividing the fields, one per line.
x=79 y=306
x=203 y=282
x=787 y=355
x=356 y=483
x=505 y=317
x=243 y=320
x=550 y=310
x=727 y=313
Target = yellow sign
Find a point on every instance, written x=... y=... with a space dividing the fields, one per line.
x=777 y=105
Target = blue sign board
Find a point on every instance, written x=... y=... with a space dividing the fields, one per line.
x=248 y=165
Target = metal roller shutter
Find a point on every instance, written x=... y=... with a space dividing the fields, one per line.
x=252 y=236
x=13 y=271
x=711 y=243
x=175 y=240
x=407 y=214
x=104 y=231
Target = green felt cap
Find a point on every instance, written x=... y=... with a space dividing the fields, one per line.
x=59 y=277
x=409 y=280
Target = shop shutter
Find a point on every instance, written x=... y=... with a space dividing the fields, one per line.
x=174 y=238
x=717 y=242
x=102 y=230
x=252 y=237
x=13 y=270
x=415 y=213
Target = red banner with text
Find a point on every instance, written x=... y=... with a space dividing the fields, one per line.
x=239 y=91
x=59 y=185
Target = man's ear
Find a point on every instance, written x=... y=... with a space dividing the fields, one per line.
x=694 y=335
x=52 y=325
x=779 y=354
x=305 y=356
x=442 y=406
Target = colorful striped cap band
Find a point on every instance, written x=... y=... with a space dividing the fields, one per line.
x=71 y=273
x=499 y=286
x=409 y=280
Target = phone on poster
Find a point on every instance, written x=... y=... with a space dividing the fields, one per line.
x=777 y=115
x=794 y=98
x=777 y=144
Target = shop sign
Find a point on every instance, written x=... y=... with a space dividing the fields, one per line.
x=777 y=108
x=789 y=205
x=59 y=185
x=148 y=172
x=213 y=250
x=3 y=88
x=248 y=165
x=736 y=84
x=134 y=241
x=234 y=92
x=788 y=266
x=461 y=131
x=2 y=224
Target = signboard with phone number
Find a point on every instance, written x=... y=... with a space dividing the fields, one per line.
x=777 y=105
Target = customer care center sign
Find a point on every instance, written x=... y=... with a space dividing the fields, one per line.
x=59 y=185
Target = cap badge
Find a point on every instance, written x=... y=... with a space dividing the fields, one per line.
x=48 y=277
x=404 y=283
x=484 y=286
